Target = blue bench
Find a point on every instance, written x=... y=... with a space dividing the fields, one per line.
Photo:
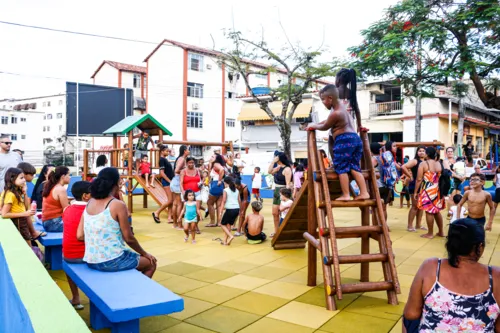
x=53 y=247
x=118 y=300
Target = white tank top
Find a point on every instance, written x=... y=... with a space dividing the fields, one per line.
x=497 y=184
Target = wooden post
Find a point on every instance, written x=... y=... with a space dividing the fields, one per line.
x=114 y=157
x=311 y=226
x=130 y=176
x=85 y=164
x=365 y=245
x=231 y=147
x=145 y=199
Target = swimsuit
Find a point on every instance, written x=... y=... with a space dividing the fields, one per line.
x=347 y=153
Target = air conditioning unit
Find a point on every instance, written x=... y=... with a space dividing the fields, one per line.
x=195 y=106
x=209 y=66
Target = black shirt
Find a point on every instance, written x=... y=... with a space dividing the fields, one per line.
x=167 y=167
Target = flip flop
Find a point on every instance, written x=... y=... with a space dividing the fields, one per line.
x=77 y=307
x=41 y=234
x=210 y=225
x=411 y=229
x=218 y=239
x=157 y=219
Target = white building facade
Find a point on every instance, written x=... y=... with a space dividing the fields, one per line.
x=24 y=130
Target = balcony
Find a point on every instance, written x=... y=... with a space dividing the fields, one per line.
x=385 y=109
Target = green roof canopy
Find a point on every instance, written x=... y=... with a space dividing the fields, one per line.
x=144 y=122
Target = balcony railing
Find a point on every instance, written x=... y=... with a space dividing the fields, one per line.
x=385 y=109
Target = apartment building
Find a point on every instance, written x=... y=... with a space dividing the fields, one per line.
x=22 y=124
x=197 y=97
x=53 y=123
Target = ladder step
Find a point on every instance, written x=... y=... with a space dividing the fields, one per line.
x=356 y=232
x=351 y=203
x=366 y=286
x=356 y=258
x=332 y=175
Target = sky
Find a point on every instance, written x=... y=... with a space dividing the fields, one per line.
x=43 y=61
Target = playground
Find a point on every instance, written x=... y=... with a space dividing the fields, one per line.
x=255 y=289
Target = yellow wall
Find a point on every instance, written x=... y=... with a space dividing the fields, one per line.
x=475 y=131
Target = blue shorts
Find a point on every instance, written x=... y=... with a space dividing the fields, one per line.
x=128 y=260
x=216 y=190
x=347 y=153
x=53 y=225
x=175 y=185
x=164 y=183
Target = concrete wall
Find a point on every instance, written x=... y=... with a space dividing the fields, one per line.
x=107 y=76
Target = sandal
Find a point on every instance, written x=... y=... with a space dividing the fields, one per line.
x=411 y=229
x=218 y=239
x=77 y=307
x=156 y=218
x=41 y=234
x=210 y=225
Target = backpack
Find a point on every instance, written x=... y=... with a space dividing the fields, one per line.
x=444 y=181
x=388 y=171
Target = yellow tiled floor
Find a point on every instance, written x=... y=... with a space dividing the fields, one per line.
x=255 y=289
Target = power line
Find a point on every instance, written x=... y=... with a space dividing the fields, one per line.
x=78 y=33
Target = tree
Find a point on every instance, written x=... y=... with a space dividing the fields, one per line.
x=493 y=85
x=460 y=89
x=247 y=57
x=422 y=43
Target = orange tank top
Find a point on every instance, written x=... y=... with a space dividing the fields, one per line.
x=51 y=208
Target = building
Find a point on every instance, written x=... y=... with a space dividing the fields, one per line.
x=53 y=124
x=196 y=95
x=117 y=74
x=23 y=127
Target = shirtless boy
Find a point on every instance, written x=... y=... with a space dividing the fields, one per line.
x=347 y=146
x=254 y=223
x=477 y=200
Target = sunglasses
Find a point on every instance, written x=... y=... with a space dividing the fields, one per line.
x=7 y=143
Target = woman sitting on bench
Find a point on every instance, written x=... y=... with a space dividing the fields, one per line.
x=105 y=227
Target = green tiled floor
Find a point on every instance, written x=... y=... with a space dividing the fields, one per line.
x=254 y=289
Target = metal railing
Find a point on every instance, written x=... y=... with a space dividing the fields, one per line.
x=385 y=109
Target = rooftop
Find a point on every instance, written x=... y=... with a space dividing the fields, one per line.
x=122 y=67
x=215 y=53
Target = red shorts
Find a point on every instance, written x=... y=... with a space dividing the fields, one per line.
x=255 y=190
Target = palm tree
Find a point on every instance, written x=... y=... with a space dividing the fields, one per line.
x=459 y=89
x=493 y=85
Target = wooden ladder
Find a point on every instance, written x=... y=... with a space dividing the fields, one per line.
x=322 y=186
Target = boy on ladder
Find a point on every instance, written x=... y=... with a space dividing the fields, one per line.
x=347 y=145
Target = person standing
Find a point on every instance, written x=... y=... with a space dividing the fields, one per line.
x=429 y=198
x=141 y=147
x=166 y=176
x=410 y=169
x=256 y=183
x=217 y=173
x=282 y=179
x=8 y=159
x=175 y=186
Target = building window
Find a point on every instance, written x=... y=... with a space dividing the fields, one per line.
x=23 y=120
x=60 y=128
x=5 y=120
x=195 y=119
x=48 y=128
x=195 y=62
x=196 y=150
x=230 y=122
x=49 y=116
x=261 y=76
x=44 y=104
x=60 y=102
x=13 y=137
x=230 y=94
x=59 y=116
x=48 y=103
x=23 y=137
x=137 y=80
x=195 y=90
x=44 y=128
x=13 y=120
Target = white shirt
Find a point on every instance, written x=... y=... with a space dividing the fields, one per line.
x=257 y=180
x=453 y=211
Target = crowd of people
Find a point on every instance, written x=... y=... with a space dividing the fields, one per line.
x=448 y=294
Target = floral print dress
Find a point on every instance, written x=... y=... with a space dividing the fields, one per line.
x=429 y=198
x=446 y=311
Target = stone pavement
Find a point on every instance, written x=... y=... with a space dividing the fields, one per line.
x=255 y=289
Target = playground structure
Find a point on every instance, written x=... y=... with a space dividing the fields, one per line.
x=115 y=156
x=311 y=217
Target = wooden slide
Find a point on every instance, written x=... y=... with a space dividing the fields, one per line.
x=157 y=193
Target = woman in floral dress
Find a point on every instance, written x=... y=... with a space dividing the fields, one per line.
x=427 y=192
x=457 y=294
